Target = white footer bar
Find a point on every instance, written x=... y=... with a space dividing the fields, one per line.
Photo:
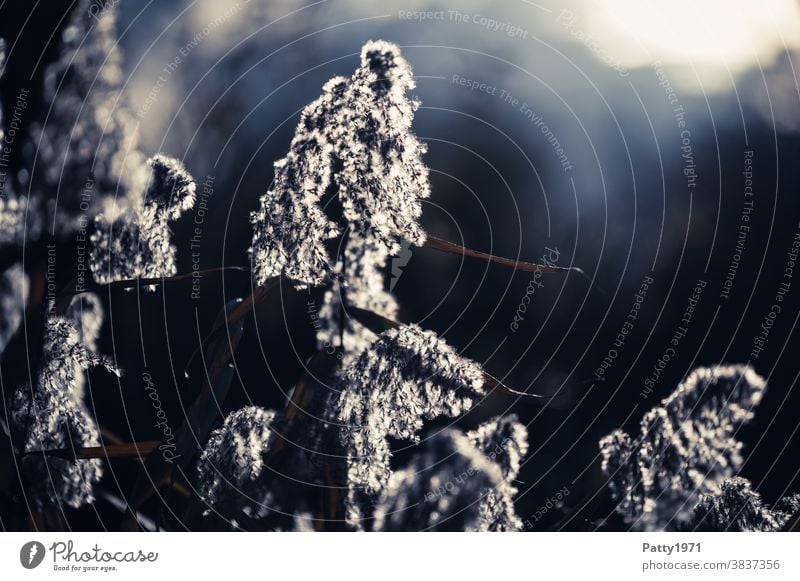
x=352 y=557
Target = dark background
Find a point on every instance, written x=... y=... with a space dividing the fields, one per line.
x=622 y=213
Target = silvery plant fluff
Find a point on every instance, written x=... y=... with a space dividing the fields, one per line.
x=505 y=442
x=362 y=125
x=686 y=447
x=406 y=376
x=51 y=414
x=383 y=178
x=290 y=227
x=230 y=471
x=137 y=243
x=441 y=488
x=381 y=182
x=458 y=482
x=82 y=155
x=737 y=507
x=85 y=313
x=359 y=283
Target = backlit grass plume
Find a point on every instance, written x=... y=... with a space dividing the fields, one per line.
x=505 y=442
x=230 y=472
x=137 y=244
x=739 y=508
x=441 y=488
x=405 y=377
x=362 y=127
x=686 y=447
x=52 y=413
x=459 y=482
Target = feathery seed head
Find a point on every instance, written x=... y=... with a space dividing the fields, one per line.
x=504 y=441
x=737 y=507
x=363 y=126
x=687 y=447
x=230 y=467
x=406 y=376
x=458 y=482
x=51 y=414
x=171 y=188
x=441 y=488
x=137 y=244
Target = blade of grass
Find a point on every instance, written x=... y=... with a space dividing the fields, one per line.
x=258 y=296
x=453 y=248
x=128 y=450
x=111 y=437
